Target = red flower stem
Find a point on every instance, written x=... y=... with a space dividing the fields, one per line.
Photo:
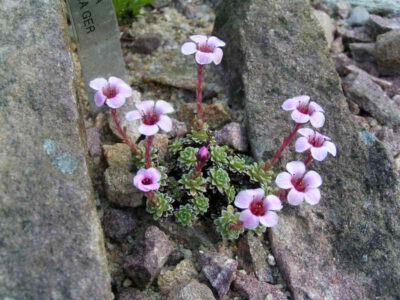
x=308 y=160
x=197 y=170
x=152 y=197
x=149 y=143
x=285 y=143
x=122 y=132
x=199 y=95
x=236 y=226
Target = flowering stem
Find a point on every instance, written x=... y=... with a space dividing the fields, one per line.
x=122 y=132
x=197 y=171
x=308 y=160
x=152 y=197
x=149 y=143
x=285 y=143
x=199 y=94
x=236 y=226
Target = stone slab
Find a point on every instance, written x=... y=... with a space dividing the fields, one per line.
x=51 y=243
x=346 y=247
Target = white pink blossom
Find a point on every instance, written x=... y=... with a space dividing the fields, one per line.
x=303 y=111
x=301 y=185
x=153 y=116
x=206 y=49
x=319 y=145
x=258 y=209
x=147 y=180
x=112 y=92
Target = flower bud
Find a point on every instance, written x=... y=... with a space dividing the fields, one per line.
x=203 y=155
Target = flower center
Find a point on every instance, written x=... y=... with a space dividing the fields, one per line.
x=257 y=208
x=150 y=118
x=305 y=109
x=204 y=47
x=146 y=181
x=109 y=91
x=298 y=183
x=316 y=141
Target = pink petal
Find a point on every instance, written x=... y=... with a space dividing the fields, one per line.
x=204 y=58
x=217 y=55
x=198 y=38
x=142 y=172
x=145 y=106
x=306 y=131
x=165 y=123
x=272 y=202
x=116 y=102
x=148 y=130
x=137 y=180
x=317 y=119
x=270 y=219
x=98 y=83
x=302 y=144
x=154 y=174
x=122 y=87
x=319 y=153
x=295 y=197
x=133 y=115
x=296 y=168
x=249 y=220
x=284 y=180
x=99 y=98
x=315 y=106
x=290 y=104
x=163 y=107
x=331 y=147
x=257 y=193
x=299 y=117
x=215 y=42
x=312 y=179
x=312 y=196
x=303 y=100
x=244 y=198
x=188 y=48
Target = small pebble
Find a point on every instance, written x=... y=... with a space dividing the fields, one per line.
x=271 y=260
x=127 y=283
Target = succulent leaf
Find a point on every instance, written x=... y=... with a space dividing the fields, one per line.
x=226 y=224
x=185 y=215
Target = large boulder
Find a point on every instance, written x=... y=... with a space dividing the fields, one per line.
x=51 y=244
x=346 y=247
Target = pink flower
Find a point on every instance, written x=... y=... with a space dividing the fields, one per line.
x=318 y=144
x=153 y=116
x=304 y=110
x=206 y=48
x=301 y=185
x=112 y=92
x=147 y=180
x=203 y=155
x=257 y=208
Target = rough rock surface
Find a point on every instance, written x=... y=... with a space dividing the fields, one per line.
x=346 y=247
x=181 y=275
x=120 y=189
x=374 y=6
x=215 y=114
x=193 y=290
x=51 y=242
x=219 y=269
x=327 y=25
x=251 y=288
x=234 y=135
x=132 y=294
x=381 y=25
x=117 y=223
x=387 y=52
x=119 y=155
x=148 y=259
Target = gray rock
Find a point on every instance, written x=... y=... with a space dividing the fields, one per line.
x=362 y=51
x=381 y=25
x=234 y=135
x=373 y=6
x=117 y=224
x=219 y=269
x=51 y=241
x=253 y=256
x=119 y=155
x=120 y=189
x=319 y=249
x=94 y=142
x=148 y=259
x=189 y=10
x=341 y=61
x=146 y=43
x=193 y=290
x=359 y=16
x=132 y=294
x=327 y=25
x=179 y=129
x=343 y=9
x=384 y=84
x=168 y=280
x=370 y=97
x=249 y=287
x=337 y=45
x=160 y=3
x=387 y=52
x=358 y=34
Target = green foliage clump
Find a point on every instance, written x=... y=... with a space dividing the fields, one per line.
x=219 y=155
x=193 y=184
x=185 y=215
x=227 y=224
x=200 y=204
x=124 y=7
x=163 y=205
x=220 y=179
x=187 y=158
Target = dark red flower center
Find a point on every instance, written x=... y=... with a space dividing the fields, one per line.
x=316 y=140
x=146 y=181
x=150 y=118
x=109 y=91
x=204 y=47
x=305 y=109
x=299 y=183
x=258 y=208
